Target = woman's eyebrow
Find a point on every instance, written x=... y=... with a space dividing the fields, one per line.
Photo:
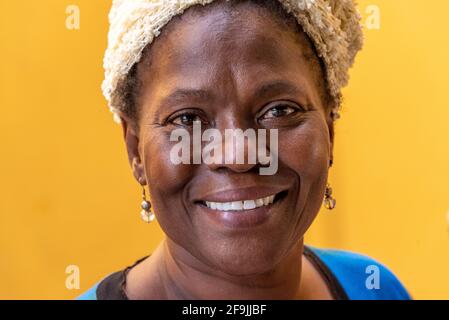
x=278 y=87
x=183 y=94
x=273 y=88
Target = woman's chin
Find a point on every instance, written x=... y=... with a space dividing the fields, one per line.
x=247 y=258
x=248 y=268
x=246 y=250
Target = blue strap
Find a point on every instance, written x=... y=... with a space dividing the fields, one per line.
x=353 y=270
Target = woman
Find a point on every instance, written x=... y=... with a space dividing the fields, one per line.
x=232 y=232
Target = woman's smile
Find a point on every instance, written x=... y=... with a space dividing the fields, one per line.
x=241 y=208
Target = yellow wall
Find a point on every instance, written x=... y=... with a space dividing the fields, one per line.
x=68 y=196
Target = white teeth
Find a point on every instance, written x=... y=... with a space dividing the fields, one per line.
x=265 y=201
x=240 y=205
x=249 y=204
x=237 y=205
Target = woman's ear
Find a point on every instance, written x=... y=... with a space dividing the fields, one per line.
x=131 y=136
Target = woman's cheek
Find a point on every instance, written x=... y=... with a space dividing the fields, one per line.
x=159 y=167
x=307 y=158
x=305 y=150
x=166 y=182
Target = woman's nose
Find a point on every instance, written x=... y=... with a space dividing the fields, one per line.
x=238 y=150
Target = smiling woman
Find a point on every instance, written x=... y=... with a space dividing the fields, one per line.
x=226 y=225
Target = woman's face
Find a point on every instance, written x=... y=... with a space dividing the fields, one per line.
x=233 y=70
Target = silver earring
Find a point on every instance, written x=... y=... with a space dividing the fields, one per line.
x=146 y=213
x=329 y=201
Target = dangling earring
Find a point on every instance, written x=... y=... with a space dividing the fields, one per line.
x=329 y=202
x=146 y=213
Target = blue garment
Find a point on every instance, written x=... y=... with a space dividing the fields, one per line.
x=352 y=273
x=90 y=294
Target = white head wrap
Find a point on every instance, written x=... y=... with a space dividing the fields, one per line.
x=332 y=25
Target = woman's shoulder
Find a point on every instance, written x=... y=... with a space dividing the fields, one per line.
x=360 y=276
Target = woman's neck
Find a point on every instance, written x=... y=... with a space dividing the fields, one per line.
x=173 y=273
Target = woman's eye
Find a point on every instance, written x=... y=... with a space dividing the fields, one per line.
x=279 y=111
x=186 y=119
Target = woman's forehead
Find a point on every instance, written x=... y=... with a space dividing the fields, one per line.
x=222 y=32
x=217 y=45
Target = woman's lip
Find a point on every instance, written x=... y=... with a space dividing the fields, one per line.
x=240 y=194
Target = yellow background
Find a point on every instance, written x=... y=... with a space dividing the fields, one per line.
x=67 y=196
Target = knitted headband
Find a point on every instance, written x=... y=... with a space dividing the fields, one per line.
x=332 y=25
